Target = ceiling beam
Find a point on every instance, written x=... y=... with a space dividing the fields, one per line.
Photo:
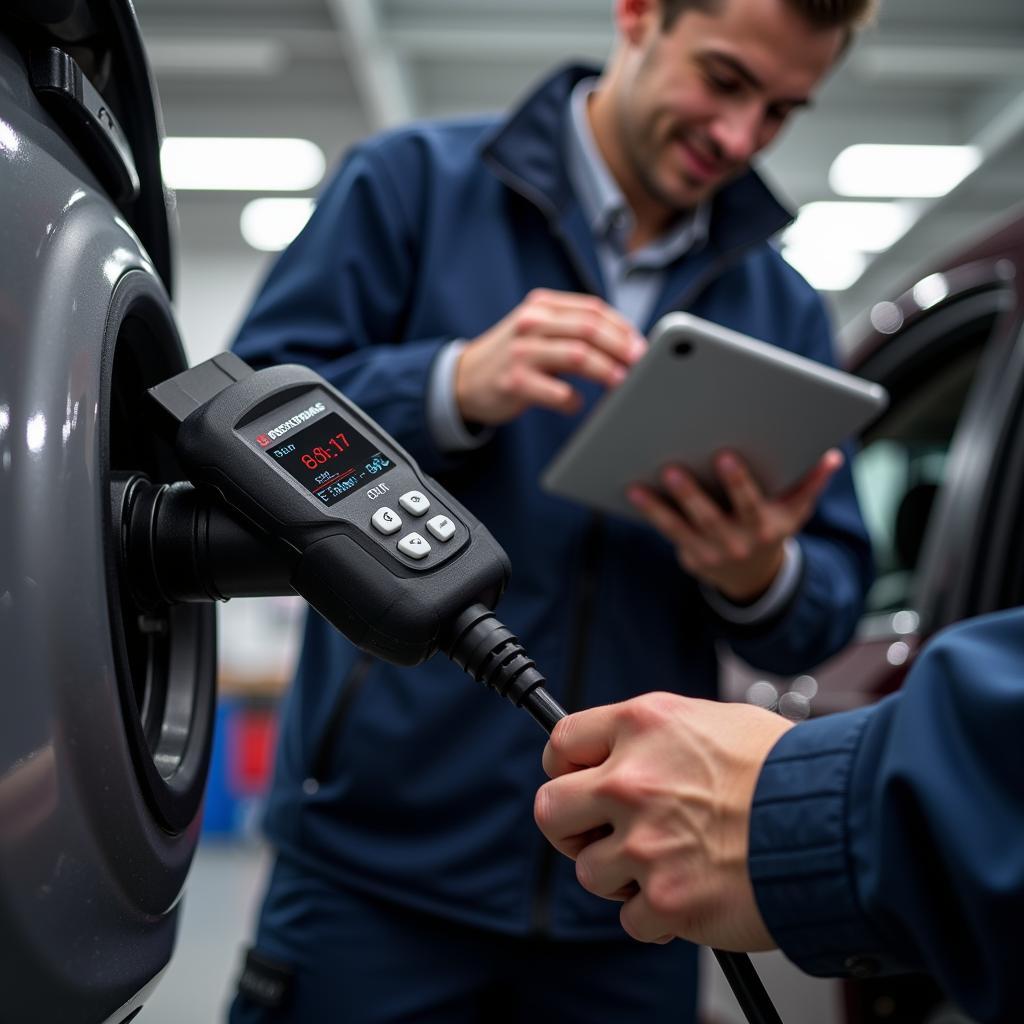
x=279 y=22
x=967 y=60
x=507 y=40
x=380 y=73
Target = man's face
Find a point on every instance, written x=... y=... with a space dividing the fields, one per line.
x=697 y=102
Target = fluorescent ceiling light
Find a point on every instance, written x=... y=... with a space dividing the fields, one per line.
x=270 y=224
x=867 y=227
x=247 y=165
x=830 y=269
x=913 y=172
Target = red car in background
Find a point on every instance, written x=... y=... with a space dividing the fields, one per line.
x=940 y=476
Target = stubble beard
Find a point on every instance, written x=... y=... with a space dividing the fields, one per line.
x=643 y=147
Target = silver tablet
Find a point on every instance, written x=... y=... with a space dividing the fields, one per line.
x=702 y=388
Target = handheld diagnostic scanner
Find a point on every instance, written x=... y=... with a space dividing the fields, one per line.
x=377 y=547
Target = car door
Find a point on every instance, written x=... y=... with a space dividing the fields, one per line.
x=971 y=562
x=938 y=364
x=940 y=476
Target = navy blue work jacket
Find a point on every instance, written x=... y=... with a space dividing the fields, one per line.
x=414 y=785
x=891 y=839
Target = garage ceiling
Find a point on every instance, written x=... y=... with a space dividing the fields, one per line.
x=931 y=71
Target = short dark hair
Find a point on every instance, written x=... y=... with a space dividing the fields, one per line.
x=824 y=14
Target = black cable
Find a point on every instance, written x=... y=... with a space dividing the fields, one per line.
x=486 y=650
x=546 y=711
x=747 y=987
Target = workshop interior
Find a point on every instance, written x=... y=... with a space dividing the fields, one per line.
x=159 y=554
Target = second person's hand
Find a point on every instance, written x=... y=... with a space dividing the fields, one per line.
x=652 y=798
x=520 y=362
x=739 y=549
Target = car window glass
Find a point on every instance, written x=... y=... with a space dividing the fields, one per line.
x=902 y=461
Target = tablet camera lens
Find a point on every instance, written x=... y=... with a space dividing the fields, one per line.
x=683 y=348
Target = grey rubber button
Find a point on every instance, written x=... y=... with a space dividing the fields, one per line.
x=415 y=503
x=413 y=545
x=441 y=527
x=385 y=521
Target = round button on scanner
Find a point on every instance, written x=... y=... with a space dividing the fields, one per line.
x=415 y=503
x=385 y=521
x=413 y=545
x=441 y=527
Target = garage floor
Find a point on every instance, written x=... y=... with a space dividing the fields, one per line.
x=222 y=899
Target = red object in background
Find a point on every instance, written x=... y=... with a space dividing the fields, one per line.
x=252 y=736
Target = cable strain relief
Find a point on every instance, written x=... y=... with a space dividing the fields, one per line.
x=515 y=678
x=489 y=652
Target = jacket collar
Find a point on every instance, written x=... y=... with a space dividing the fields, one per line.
x=527 y=151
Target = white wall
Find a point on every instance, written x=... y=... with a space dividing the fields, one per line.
x=212 y=293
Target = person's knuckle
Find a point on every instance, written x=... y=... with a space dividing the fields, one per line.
x=584 y=872
x=659 y=705
x=562 y=734
x=635 y=714
x=510 y=383
x=739 y=549
x=524 y=321
x=542 y=808
x=710 y=515
x=577 y=354
x=520 y=350
x=663 y=895
x=637 y=850
x=609 y=786
x=588 y=327
x=710 y=558
x=619 y=786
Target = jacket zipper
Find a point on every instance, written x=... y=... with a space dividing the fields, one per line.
x=593 y=539
x=550 y=212
x=540 y=915
x=336 y=720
